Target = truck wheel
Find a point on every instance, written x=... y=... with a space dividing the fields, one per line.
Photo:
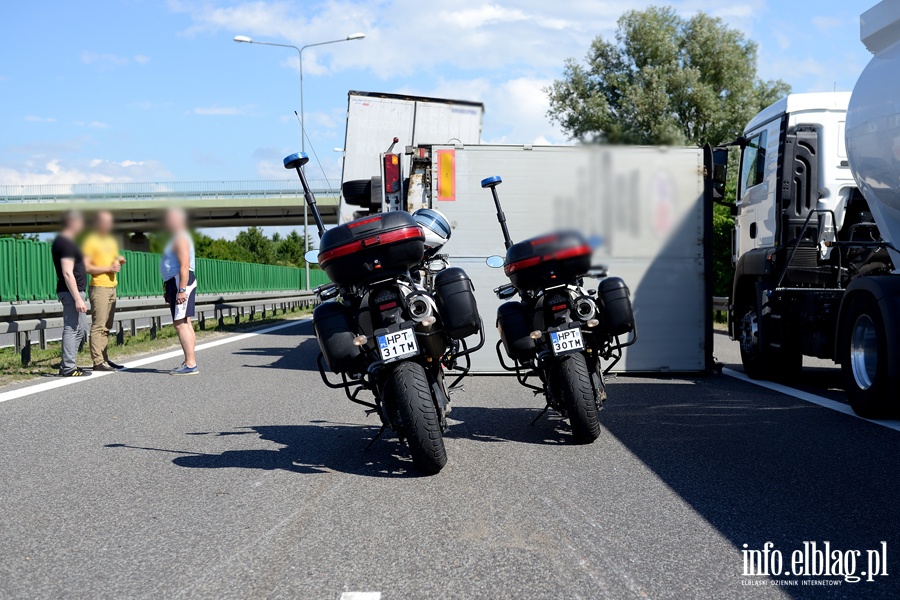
x=357 y=192
x=408 y=386
x=864 y=358
x=763 y=363
x=572 y=383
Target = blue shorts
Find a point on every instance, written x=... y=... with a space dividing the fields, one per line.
x=186 y=309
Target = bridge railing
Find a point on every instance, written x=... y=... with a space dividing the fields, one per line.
x=265 y=188
x=27 y=274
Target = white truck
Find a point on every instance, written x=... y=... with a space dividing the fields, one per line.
x=818 y=227
x=374 y=120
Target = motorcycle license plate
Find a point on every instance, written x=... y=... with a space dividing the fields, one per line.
x=566 y=341
x=397 y=345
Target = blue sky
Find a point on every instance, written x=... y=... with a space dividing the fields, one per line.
x=155 y=90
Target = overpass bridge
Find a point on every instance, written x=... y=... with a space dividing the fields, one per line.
x=139 y=206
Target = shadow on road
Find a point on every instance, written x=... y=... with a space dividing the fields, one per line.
x=295 y=358
x=487 y=424
x=316 y=448
x=761 y=466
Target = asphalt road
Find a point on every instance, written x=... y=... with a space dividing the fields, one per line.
x=250 y=481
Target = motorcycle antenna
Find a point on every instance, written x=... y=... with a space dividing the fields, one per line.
x=296 y=161
x=313 y=148
x=492 y=182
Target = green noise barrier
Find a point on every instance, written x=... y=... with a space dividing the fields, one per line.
x=27 y=274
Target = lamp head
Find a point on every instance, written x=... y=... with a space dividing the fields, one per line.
x=356 y=36
x=243 y=39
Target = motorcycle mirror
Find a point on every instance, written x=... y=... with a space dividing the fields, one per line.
x=295 y=160
x=312 y=257
x=494 y=262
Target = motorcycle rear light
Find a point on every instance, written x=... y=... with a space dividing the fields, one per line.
x=558 y=307
x=360 y=340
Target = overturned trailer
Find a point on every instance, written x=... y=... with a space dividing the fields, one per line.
x=646 y=209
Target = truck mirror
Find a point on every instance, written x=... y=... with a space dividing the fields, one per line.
x=720 y=173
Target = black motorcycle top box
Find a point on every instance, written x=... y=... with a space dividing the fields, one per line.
x=372 y=247
x=548 y=260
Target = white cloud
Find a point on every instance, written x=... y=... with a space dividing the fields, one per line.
x=60 y=171
x=94 y=124
x=826 y=24
x=219 y=111
x=515 y=110
x=36 y=119
x=108 y=60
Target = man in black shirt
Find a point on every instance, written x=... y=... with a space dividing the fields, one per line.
x=71 y=282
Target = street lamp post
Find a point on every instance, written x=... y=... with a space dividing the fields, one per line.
x=243 y=39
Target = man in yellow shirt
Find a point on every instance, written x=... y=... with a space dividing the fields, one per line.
x=103 y=262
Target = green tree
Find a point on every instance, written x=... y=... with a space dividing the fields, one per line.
x=290 y=249
x=254 y=241
x=664 y=80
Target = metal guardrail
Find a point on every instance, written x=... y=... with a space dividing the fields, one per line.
x=24 y=319
x=720 y=303
x=193 y=190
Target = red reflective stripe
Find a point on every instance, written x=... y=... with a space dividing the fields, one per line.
x=387 y=306
x=558 y=307
x=385 y=238
x=544 y=240
x=364 y=222
x=534 y=260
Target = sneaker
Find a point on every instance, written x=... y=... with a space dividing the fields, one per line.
x=115 y=366
x=185 y=370
x=76 y=372
x=104 y=367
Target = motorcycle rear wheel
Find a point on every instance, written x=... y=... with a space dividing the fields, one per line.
x=420 y=423
x=572 y=382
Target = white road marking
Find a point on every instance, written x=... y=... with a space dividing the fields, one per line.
x=807 y=397
x=361 y=596
x=64 y=381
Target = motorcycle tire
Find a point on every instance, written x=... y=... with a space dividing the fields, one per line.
x=407 y=385
x=572 y=383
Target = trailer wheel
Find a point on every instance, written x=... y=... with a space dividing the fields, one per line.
x=864 y=358
x=763 y=363
x=357 y=192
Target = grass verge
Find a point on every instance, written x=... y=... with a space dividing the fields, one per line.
x=46 y=362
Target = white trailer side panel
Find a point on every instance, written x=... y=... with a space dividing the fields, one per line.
x=645 y=205
x=373 y=120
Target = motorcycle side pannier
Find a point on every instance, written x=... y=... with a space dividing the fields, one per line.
x=335 y=331
x=456 y=301
x=548 y=260
x=371 y=248
x=514 y=324
x=615 y=306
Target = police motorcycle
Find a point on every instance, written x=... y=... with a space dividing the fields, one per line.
x=558 y=333
x=394 y=320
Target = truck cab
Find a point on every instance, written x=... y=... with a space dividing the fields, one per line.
x=793 y=150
